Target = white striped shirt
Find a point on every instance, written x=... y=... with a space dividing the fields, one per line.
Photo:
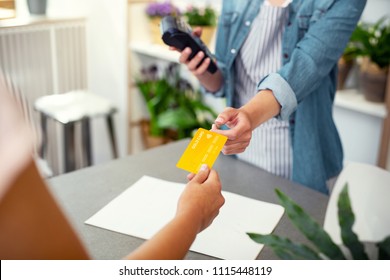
x=260 y=55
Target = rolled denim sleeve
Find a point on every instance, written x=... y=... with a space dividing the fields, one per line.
x=282 y=92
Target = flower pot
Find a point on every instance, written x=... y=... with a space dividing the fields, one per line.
x=7 y=9
x=344 y=68
x=373 y=81
x=151 y=141
x=155 y=33
x=37 y=7
x=207 y=34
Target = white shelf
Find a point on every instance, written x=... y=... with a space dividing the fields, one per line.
x=354 y=100
x=155 y=50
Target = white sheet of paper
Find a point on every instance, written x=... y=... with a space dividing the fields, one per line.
x=150 y=203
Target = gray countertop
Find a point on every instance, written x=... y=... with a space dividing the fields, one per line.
x=84 y=192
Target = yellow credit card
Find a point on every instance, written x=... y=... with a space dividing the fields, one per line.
x=204 y=148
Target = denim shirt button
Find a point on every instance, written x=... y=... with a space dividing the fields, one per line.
x=292 y=121
x=233 y=51
x=247 y=23
x=285 y=55
x=289 y=23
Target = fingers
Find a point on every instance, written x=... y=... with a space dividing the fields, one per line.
x=202 y=174
x=197 y=65
x=193 y=63
x=202 y=68
x=239 y=133
x=213 y=179
x=190 y=176
x=235 y=148
x=197 y=31
x=238 y=144
x=205 y=176
x=185 y=55
x=213 y=185
x=226 y=117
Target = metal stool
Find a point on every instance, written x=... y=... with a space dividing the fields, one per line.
x=68 y=109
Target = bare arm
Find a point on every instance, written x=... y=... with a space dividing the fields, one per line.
x=198 y=205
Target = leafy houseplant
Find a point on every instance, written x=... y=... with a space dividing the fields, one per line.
x=326 y=248
x=372 y=43
x=174 y=107
x=203 y=17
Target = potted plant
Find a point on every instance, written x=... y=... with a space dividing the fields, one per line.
x=155 y=11
x=175 y=108
x=203 y=17
x=372 y=44
x=347 y=60
x=323 y=246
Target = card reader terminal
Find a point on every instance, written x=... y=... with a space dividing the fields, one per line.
x=177 y=33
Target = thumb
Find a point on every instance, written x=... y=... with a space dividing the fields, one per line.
x=219 y=121
x=226 y=115
x=197 y=31
x=202 y=174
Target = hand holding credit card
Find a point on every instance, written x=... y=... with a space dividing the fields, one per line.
x=204 y=148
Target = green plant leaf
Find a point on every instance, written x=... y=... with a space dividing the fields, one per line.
x=201 y=17
x=284 y=248
x=283 y=254
x=372 y=41
x=384 y=249
x=310 y=228
x=346 y=221
x=179 y=118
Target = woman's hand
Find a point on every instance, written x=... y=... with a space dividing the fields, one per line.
x=194 y=65
x=239 y=133
x=212 y=82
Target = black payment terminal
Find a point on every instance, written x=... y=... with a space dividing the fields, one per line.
x=177 y=33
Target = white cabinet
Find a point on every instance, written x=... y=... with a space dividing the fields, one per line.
x=360 y=124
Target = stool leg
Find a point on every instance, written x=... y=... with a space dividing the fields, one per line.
x=110 y=123
x=69 y=147
x=43 y=148
x=86 y=141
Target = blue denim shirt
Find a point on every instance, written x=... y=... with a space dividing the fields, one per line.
x=314 y=38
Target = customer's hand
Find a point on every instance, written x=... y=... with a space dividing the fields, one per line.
x=202 y=198
x=239 y=133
